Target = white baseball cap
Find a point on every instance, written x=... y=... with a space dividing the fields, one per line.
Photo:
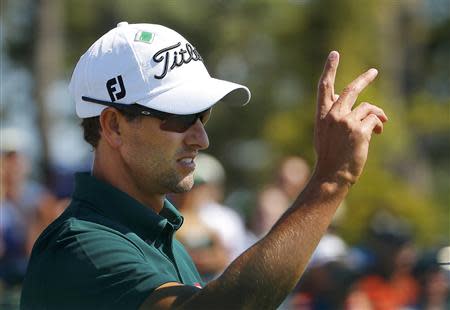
x=150 y=65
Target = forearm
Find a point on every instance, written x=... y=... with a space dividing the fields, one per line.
x=263 y=276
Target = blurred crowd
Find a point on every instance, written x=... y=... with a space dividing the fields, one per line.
x=26 y=208
x=386 y=271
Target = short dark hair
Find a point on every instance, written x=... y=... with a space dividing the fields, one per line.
x=92 y=127
x=91 y=130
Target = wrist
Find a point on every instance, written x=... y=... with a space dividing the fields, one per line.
x=335 y=185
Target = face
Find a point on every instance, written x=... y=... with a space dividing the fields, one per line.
x=160 y=161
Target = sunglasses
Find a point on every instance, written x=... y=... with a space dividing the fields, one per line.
x=169 y=122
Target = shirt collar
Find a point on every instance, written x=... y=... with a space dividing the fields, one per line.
x=121 y=207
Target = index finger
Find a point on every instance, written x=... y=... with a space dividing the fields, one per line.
x=325 y=94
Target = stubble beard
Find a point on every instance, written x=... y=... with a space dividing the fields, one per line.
x=155 y=174
x=168 y=180
x=175 y=183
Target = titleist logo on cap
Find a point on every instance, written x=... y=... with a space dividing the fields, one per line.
x=176 y=57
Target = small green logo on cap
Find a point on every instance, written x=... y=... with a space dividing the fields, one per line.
x=144 y=36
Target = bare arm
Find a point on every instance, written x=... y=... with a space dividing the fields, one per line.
x=262 y=276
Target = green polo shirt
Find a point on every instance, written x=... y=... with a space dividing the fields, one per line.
x=106 y=251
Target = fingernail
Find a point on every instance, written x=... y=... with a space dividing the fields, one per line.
x=375 y=71
x=332 y=55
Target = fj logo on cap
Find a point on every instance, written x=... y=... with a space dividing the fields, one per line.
x=144 y=36
x=113 y=92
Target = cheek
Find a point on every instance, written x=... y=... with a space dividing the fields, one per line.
x=145 y=144
x=139 y=150
x=134 y=137
x=134 y=146
x=155 y=148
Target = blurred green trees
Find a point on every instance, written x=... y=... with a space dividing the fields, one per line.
x=277 y=48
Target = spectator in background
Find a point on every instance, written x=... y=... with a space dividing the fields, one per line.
x=20 y=199
x=291 y=177
x=329 y=276
x=204 y=213
x=49 y=208
x=433 y=274
x=388 y=284
x=327 y=279
x=27 y=207
x=201 y=242
x=271 y=203
x=209 y=178
x=435 y=286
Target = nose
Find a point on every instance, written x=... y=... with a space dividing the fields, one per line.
x=196 y=136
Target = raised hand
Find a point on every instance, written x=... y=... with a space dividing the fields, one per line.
x=342 y=134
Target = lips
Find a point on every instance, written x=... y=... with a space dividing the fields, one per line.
x=187 y=162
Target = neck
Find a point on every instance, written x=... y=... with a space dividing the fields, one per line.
x=107 y=170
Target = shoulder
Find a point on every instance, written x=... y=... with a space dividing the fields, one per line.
x=93 y=263
x=90 y=242
x=72 y=230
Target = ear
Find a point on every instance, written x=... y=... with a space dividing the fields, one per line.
x=110 y=121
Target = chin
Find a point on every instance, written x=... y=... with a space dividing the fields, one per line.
x=184 y=185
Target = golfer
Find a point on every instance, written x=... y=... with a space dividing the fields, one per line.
x=145 y=96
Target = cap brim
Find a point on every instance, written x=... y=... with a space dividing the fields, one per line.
x=196 y=96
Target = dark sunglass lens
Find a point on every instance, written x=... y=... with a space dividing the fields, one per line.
x=204 y=116
x=178 y=123
x=181 y=123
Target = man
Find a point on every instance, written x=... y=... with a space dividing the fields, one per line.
x=274 y=199
x=213 y=234
x=144 y=96
x=209 y=186
x=21 y=199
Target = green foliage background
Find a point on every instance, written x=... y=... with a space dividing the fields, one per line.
x=277 y=48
